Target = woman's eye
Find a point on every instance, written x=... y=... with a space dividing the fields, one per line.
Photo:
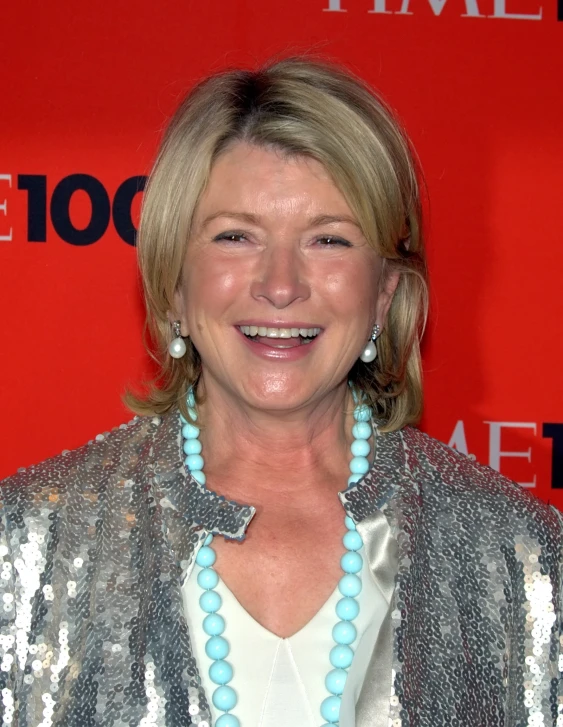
x=329 y=241
x=325 y=241
x=230 y=237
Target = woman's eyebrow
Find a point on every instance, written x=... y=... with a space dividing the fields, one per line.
x=255 y=219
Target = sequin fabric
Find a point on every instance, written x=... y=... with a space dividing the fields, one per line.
x=477 y=603
x=95 y=544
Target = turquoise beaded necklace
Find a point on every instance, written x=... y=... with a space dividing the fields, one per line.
x=344 y=632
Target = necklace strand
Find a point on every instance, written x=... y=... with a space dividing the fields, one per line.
x=344 y=632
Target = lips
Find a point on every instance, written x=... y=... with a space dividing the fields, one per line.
x=280 y=343
x=280 y=336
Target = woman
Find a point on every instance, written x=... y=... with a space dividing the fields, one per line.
x=375 y=576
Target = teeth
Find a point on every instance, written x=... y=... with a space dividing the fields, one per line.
x=279 y=332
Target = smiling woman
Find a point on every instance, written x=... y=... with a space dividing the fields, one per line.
x=276 y=261
x=377 y=577
x=307 y=145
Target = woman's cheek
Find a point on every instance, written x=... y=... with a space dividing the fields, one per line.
x=210 y=285
x=351 y=287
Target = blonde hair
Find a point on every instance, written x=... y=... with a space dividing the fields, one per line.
x=302 y=107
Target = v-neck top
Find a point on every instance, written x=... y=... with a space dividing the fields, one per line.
x=280 y=681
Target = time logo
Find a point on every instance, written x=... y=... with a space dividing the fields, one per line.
x=103 y=209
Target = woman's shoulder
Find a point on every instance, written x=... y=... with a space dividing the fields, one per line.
x=451 y=479
x=110 y=456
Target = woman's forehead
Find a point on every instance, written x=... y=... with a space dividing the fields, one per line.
x=253 y=182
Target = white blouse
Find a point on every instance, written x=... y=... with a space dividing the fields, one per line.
x=280 y=682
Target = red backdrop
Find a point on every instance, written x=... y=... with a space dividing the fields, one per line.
x=86 y=91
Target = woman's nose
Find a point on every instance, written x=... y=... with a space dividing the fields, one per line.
x=280 y=278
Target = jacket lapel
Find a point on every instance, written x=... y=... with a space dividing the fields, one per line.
x=180 y=514
x=386 y=507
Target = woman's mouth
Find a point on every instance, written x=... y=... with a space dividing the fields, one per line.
x=280 y=337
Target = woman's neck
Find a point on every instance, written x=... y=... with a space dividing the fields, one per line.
x=252 y=455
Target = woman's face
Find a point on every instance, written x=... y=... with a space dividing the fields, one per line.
x=275 y=252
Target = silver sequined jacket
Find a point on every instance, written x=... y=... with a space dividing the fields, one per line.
x=95 y=544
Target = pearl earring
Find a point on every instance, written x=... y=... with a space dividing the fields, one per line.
x=177 y=347
x=369 y=353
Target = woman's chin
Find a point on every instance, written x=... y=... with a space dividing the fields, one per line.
x=279 y=396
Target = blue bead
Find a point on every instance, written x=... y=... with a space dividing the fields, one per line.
x=362 y=413
x=217 y=647
x=359 y=448
x=227 y=720
x=208 y=540
x=350 y=585
x=341 y=656
x=350 y=524
x=206 y=557
x=351 y=480
x=221 y=672
x=351 y=562
x=213 y=624
x=199 y=476
x=347 y=608
x=190 y=432
x=224 y=698
x=358 y=465
x=330 y=709
x=195 y=462
x=207 y=578
x=352 y=540
x=193 y=413
x=210 y=602
x=335 y=681
x=361 y=430
x=192 y=446
x=344 y=632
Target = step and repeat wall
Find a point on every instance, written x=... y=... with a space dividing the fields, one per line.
x=86 y=90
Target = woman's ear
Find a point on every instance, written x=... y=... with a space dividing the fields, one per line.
x=389 y=281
